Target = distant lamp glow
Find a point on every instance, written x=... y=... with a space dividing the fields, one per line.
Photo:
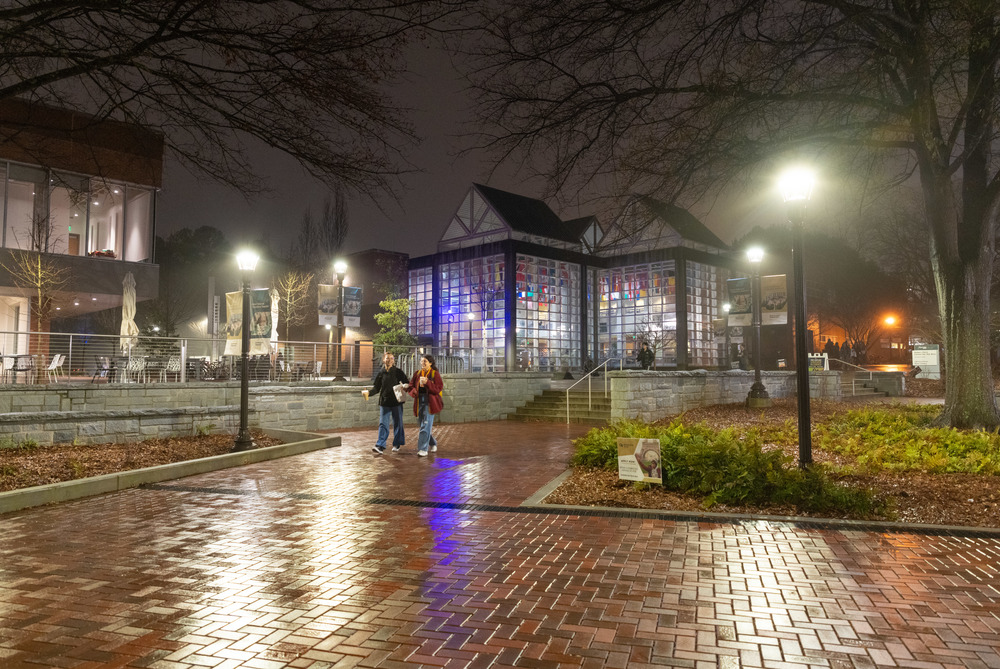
x=156 y=328
x=890 y=320
x=726 y=307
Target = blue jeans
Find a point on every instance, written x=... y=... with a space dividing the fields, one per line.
x=395 y=414
x=426 y=420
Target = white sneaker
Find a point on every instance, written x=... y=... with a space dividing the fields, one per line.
x=378 y=450
x=422 y=454
x=395 y=449
x=433 y=449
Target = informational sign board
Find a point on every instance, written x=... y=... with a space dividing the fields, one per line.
x=928 y=358
x=818 y=362
x=639 y=460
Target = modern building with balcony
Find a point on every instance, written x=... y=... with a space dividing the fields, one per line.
x=519 y=288
x=81 y=191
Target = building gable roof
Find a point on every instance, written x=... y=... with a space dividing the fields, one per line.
x=531 y=216
x=683 y=222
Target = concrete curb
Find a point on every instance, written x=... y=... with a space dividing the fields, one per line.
x=535 y=501
x=64 y=491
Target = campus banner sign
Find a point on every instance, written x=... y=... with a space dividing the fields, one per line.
x=639 y=460
x=740 y=306
x=327 y=304
x=774 y=300
x=261 y=322
x=352 y=306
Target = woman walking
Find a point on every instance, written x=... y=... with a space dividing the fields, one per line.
x=426 y=386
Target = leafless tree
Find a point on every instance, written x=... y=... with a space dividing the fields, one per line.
x=487 y=287
x=682 y=99
x=42 y=276
x=321 y=240
x=308 y=77
x=663 y=342
x=296 y=299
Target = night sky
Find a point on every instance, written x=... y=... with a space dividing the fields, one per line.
x=414 y=226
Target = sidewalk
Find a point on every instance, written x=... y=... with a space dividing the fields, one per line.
x=344 y=558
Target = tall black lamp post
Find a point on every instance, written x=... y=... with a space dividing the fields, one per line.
x=725 y=315
x=796 y=187
x=340 y=269
x=247 y=261
x=757 y=397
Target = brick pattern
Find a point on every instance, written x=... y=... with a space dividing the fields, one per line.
x=288 y=563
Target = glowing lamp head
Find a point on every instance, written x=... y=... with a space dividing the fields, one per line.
x=340 y=267
x=796 y=184
x=726 y=307
x=755 y=254
x=247 y=260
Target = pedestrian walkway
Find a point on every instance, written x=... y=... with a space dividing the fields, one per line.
x=344 y=558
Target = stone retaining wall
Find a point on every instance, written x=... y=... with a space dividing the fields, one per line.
x=648 y=395
x=91 y=413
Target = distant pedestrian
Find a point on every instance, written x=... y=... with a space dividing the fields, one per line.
x=426 y=386
x=646 y=356
x=390 y=406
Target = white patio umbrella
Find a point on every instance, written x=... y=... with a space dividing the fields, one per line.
x=129 y=331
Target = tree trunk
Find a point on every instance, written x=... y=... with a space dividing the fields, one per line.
x=963 y=291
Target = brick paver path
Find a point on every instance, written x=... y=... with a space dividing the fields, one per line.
x=342 y=558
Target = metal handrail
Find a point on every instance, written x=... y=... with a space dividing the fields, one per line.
x=589 y=376
x=849 y=365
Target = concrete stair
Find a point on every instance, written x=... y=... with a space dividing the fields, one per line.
x=857 y=385
x=550 y=406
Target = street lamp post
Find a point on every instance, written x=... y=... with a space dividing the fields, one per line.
x=796 y=187
x=471 y=316
x=757 y=397
x=247 y=261
x=725 y=311
x=340 y=269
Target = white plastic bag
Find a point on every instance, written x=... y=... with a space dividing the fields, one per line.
x=400 y=391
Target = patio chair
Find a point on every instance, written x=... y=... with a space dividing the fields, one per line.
x=59 y=366
x=6 y=372
x=104 y=370
x=173 y=366
x=52 y=370
x=135 y=369
x=24 y=364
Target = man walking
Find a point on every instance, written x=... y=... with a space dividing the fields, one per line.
x=389 y=407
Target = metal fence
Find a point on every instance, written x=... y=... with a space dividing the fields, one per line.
x=53 y=357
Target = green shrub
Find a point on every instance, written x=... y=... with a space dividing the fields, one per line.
x=724 y=467
x=902 y=438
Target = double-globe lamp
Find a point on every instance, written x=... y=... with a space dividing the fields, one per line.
x=757 y=397
x=796 y=187
x=247 y=262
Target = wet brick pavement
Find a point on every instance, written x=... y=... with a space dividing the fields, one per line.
x=343 y=558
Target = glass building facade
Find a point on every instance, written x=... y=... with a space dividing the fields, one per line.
x=75 y=214
x=562 y=305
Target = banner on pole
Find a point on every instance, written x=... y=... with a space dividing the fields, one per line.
x=740 y=306
x=774 y=300
x=260 y=322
